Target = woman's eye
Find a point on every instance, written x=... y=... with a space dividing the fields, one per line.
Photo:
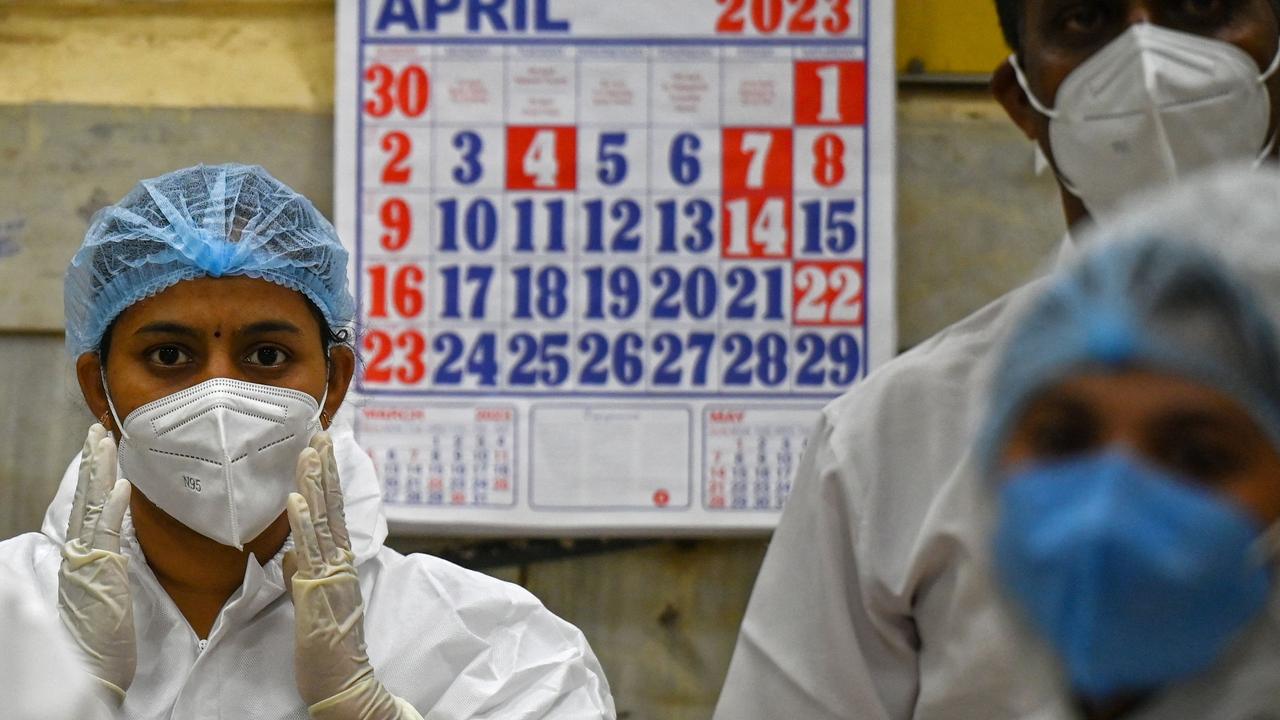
x=267 y=356
x=168 y=356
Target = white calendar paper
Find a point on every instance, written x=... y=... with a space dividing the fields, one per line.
x=611 y=256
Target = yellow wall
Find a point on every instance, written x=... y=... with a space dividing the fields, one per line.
x=949 y=37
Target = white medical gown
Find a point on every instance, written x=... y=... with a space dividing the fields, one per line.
x=877 y=601
x=39 y=675
x=454 y=643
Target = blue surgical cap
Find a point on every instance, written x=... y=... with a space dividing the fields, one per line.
x=203 y=221
x=1152 y=303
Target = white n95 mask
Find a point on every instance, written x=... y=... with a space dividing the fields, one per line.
x=1153 y=106
x=219 y=457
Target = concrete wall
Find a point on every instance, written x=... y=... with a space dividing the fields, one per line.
x=94 y=95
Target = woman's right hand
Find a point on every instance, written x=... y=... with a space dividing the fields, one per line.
x=93 y=583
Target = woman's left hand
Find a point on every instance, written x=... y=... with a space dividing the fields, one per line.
x=333 y=672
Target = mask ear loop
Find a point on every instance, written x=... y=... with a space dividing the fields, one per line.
x=1272 y=68
x=1026 y=88
x=111 y=408
x=1044 y=110
x=1262 y=80
x=321 y=415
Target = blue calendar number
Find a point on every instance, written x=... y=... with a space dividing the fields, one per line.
x=479 y=225
x=836 y=360
x=477 y=279
x=623 y=359
x=763 y=359
x=694 y=294
x=470 y=144
x=699 y=212
x=542 y=293
x=481 y=362
x=683 y=159
x=539 y=360
x=613 y=163
x=626 y=236
x=529 y=230
x=612 y=294
x=834 y=231
x=743 y=304
x=670 y=348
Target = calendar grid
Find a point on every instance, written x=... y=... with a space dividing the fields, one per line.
x=757 y=330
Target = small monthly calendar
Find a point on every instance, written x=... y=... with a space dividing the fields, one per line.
x=611 y=257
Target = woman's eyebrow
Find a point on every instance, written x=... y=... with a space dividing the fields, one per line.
x=270 y=326
x=167 y=328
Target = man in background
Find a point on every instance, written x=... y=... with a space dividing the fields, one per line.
x=876 y=600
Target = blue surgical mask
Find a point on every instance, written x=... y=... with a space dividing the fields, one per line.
x=1137 y=577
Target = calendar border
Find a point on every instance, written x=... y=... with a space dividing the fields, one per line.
x=363 y=39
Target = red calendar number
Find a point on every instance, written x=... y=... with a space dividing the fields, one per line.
x=408 y=91
x=828 y=160
x=831 y=93
x=757 y=159
x=828 y=293
x=397 y=220
x=756 y=225
x=542 y=158
x=384 y=364
x=797 y=17
x=398 y=146
x=401 y=290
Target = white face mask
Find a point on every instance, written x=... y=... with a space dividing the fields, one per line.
x=1149 y=108
x=219 y=457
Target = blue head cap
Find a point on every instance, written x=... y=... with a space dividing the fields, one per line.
x=202 y=221
x=1154 y=303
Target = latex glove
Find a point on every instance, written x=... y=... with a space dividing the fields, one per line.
x=332 y=668
x=93 y=582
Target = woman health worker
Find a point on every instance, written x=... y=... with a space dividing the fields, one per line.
x=1133 y=450
x=239 y=571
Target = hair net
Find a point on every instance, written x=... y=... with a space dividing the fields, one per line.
x=202 y=221
x=1177 y=285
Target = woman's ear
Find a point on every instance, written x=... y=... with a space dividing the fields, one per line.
x=342 y=367
x=89 y=373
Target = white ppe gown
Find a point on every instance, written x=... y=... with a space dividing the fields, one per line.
x=455 y=644
x=40 y=678
x=876 y=600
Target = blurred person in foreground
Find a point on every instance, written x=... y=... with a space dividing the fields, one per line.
x=1131 y=452
x=870 y=604
x=217 y=549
